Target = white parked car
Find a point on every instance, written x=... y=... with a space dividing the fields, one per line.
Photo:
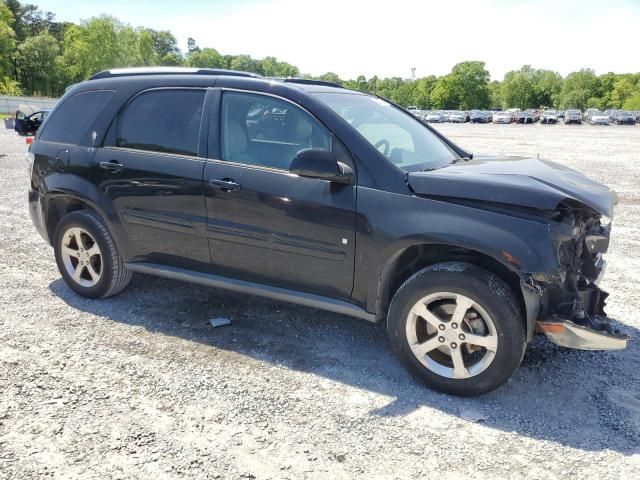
x=434 y=117
x=457 y=117
x=598 y=118
x=502 y=117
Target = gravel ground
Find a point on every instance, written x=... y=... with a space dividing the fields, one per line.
x=141 y=386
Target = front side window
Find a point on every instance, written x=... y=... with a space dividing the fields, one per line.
x=165 y=121
x=403 y=139
x=262 y=130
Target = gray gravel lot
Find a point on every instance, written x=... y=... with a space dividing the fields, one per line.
x=141 y=386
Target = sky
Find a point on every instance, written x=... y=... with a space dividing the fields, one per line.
x=388 y=38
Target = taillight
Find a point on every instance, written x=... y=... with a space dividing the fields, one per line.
x=28 y=140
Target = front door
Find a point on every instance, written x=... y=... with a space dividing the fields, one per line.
x=264 y=224
x=151 y=171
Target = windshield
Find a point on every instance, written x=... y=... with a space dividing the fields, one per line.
x=401 y=138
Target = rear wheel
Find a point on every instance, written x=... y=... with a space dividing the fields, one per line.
x=457 y=328
x=87 y=257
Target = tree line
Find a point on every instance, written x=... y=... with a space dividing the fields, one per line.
x=40 y=56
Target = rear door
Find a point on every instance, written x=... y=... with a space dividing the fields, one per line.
x=150 y=168
x=265 y=224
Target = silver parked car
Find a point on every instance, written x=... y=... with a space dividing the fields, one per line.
x=598 y=118
x=434 y=117
x=457 y=117
x=502 y=117
x=573 y=116
x=549 y=116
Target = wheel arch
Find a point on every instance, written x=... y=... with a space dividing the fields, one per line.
x=411 y=259
x=58 y=204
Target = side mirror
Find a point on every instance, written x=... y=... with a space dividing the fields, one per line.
x=321 y=164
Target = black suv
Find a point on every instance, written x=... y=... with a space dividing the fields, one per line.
x=307 y=192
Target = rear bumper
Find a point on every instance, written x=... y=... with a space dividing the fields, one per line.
x=36 y=211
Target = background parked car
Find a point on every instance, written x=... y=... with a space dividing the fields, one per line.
x=457 y=117
x=588 y=112
x=524 y=117
x=26 y=124
x=502 y=117
x=476 y=116
x=596 y=117
x=549 y=116
x=573 y=116
x=623 y=118
x=434 y=117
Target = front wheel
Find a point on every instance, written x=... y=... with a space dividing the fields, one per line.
x=458 y=328
x=87 y=256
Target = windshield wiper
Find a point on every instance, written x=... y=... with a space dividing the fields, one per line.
x=456 y=160
x=452 y=162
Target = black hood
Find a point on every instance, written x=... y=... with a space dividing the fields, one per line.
x=525 y=182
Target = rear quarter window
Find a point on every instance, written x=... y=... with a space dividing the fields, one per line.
x=73 y=118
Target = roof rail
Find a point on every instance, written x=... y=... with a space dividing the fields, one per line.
x=135 y=71
x=306 y=81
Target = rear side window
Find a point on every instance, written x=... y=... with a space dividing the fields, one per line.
x=162 y=121
x=74 y=116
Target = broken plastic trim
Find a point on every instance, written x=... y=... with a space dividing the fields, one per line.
x=567 y=334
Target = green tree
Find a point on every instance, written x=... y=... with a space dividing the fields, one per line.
x=422 y=91
x=633 y=102
x=623 y=88
x=594 y=102
x=164 y=44
x=518 y=88
x=578 y=88
x=271 y=67
x=206 y=58
x=7 y=40
x=146 y=52
x=546 y=88
x=495 y=95
x=469 y=82
x=102 y=43
x=330 y=77
x=8 y=86
x=444 y=94
x=36 y=65
x=246 y=64
x=191 y=45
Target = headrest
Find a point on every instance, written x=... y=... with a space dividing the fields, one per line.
x=236 y=138
x=298 y=127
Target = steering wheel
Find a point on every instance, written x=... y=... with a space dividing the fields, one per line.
x=384 y=142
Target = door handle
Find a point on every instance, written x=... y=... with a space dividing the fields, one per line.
x=226 y=184
x=112 y=166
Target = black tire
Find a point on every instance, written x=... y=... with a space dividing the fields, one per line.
x=114 y=275
x=490 y=293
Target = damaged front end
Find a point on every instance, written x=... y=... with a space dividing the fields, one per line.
x=572 y=305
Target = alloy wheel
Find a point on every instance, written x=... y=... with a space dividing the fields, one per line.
x=451 y=335
x=82 y=257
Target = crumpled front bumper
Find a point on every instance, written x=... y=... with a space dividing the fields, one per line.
x=565 y=333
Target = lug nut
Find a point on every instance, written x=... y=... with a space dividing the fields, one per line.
x=454 y=345
x=461 y=336
x=441 y=339
x=441 y=326
x=454 y=325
